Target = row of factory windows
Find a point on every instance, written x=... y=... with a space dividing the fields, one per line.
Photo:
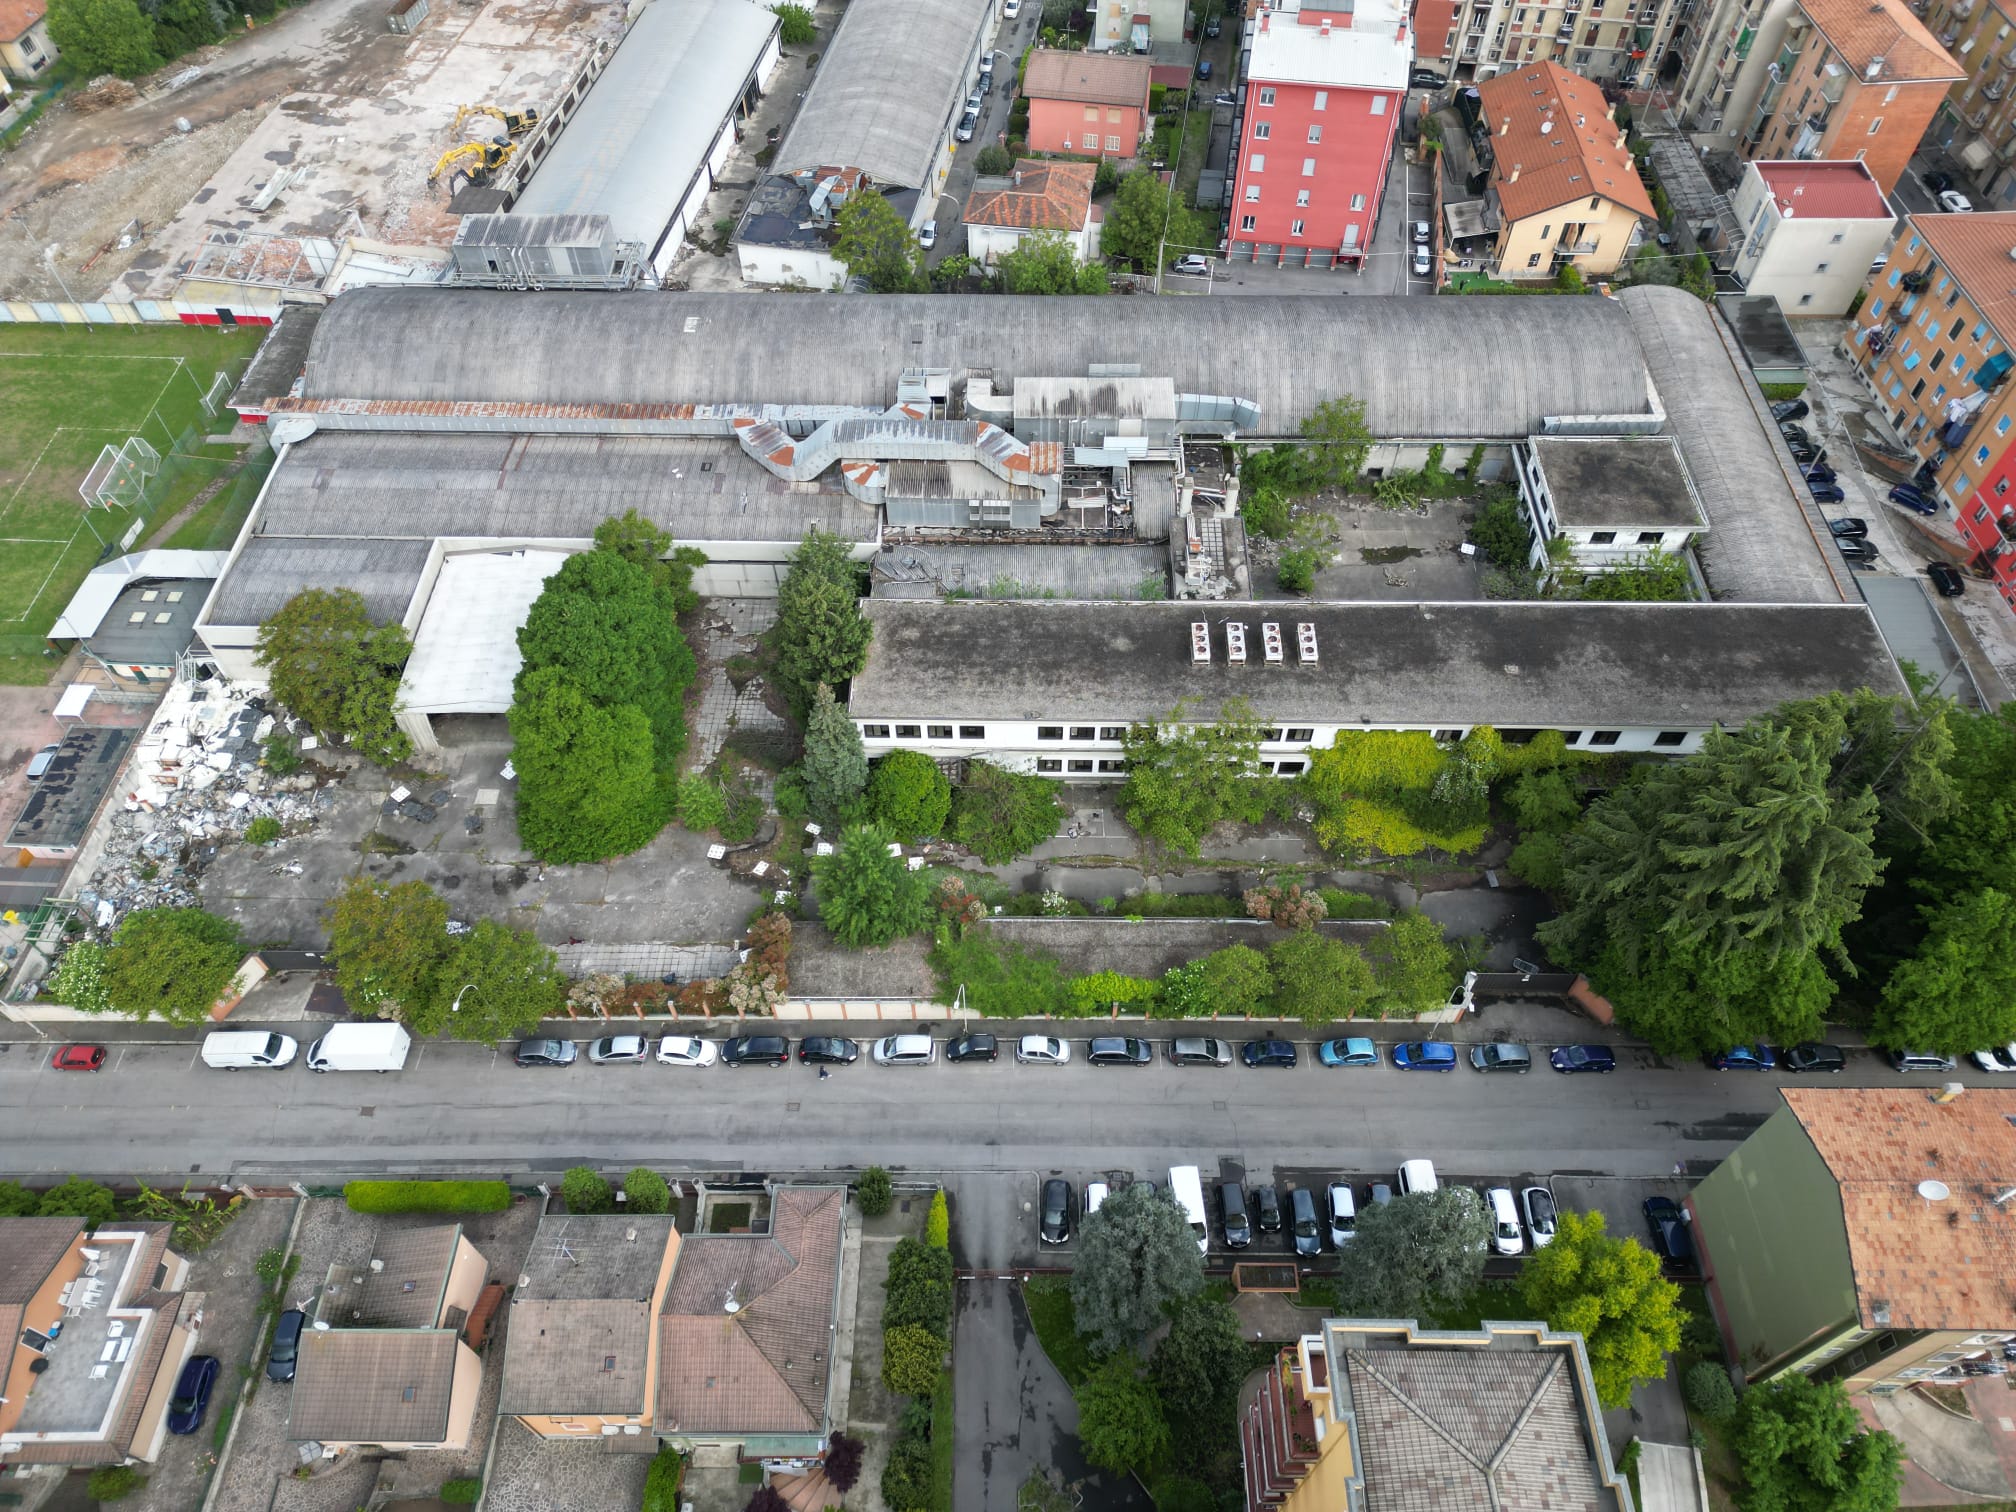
x=1275 y=735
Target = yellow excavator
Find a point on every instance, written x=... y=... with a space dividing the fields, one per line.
x=478 y=159
x=516 y=123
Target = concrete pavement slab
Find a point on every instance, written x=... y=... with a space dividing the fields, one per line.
x=1955 y=1451
x=1670 y=1479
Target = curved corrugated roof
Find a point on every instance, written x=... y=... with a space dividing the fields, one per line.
x=1454 y=368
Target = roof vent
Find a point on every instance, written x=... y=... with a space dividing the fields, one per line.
x=1270 y=639
x=1235 y=644
x=1934 y=1191
x=1305 y=643
x=377 y=1265
x=1200 y=643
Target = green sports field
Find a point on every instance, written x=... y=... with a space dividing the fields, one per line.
x=65 y=394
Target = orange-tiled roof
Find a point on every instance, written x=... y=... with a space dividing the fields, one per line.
x=16 y=16
x=1863 y=31
x=1825 y=191
x=1578 y=154
x=1979 y=252
x=1090 y=78
x=1922 y=1261
x=1041 y=197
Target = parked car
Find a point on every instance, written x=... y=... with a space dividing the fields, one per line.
x=1426 y=78
x=1953 y=202
x=1267 y=1209
x=1269 y=1052
x=546 y=1052
x=685 y=1050
x=1232 y=1215
x=1420 y=233
x=1541 y=1218
x=973 y=1047
x=1056 y=1211
x=1197 y=1050
x=1806 y=455
x=1826 y=493
x=756 y=1050
x=1794 y=433
x=1937 y=183
x=1505 y=1235
x=1505 y=1057
x=78 y=1058
x=1856 y=548
x=620 y=1050
x=1946 y=579
x=968 y=123
x=1417 y=1176
x=1811 y=1057
x=286 y=1344
x=1848 y=527
x=1790 y=409
x=39 y=762
x=1995 y=1059
x=1302 y=1222
x=827 y=1050
x=1574 y=1059
x=1042 y=1050
x=927 y=235
x=1011 y=9
x=1912 y=499
x=1343 y=1214
x=905 y=1050
x=1204 y=68
x=1425 y=1055
x=1214 y=27
x=1356 y=1051
x=192 y=1394
x=1423 y=264
x=1670 y=1238
x=1119 y=1050
x=1818 y=472
x=1919 y=1060
x=1096 y=1193
x=1379 y=1193
x=1192 y=265
x=1759 y=1057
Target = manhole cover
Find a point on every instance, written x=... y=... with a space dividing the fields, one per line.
x=790 y=1107
x=371 y=1112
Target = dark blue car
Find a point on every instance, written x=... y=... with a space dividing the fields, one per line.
x=192 y=1394
x=1269 y=1052
x=1826 y=493
x=1913 y=500
x=1425 y=1055
x=1578 y=1058
x=1746 y=1058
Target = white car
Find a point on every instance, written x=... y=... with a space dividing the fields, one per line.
x=620 y=1050
x=681 y=1050
x=1420 y=233
x=1541 y=1220
x=1953 y=202
x=927 y=235
x=1424 y=262
x=1095 y=1194
x=1993 y=1059
x=1343 y=1215
x=1012 y=9
x=1042 y=1050
x=1504 y=1221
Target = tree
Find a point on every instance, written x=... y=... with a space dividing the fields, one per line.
x=911 y=1360
x=1501 y=533
x=103 y=36
x=1612 y=1293
x=843 y=1462
x=1198 y=1368
x=16 y=1201
x=797 y=29
x=873 y=1192
x=1802 y=1448
x=337 y=671
x=645 y=1191
x=171 y=963
x=836 y=767
x=183 y=25
x=821 y=635
x=766 y=1498
x=875 y=244
x=1237 y=979
x=1958 y=992
x=79 y=1197
x=79 y=979
x=1183 y=778
x=1414 y=1255
x=389 y=942
x=1147 y=223
x=1296 y=571
x=635 y=539
x=498 y=984
x=1120 y=1424
x=1136 y=1254
x=1317 y=979
x=993 y=162
x=584 y=1190
x=1414 y=969
x=588 y=783
x=866 y=895
x=938 y=1224
x=1047 y=263
x=999 y=815
x=909 y=793
x=1337 y=440
x=918 y=1290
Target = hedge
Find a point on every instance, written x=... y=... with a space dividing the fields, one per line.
x=427 y=1196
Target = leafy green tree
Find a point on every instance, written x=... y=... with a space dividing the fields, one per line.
x=79 y=979
x=1120 y=1423
x=635 y=539
x=584 y=1190
x=1135 y=1256
x=645 y=1191
x=876 y=244
x=797 y=29
x=1047 y=263
x=588 y=783
x=182 y=26
x=1958 y=992
x=1336 y=440
x=1709 y=1391
x=918 y=1291
x=1237 y=979
x=389 y=942
x=171 y=963
x=866 y=895
x=1147 y=223
x=1611 y=1292
x=993 y=162
x=16 y=1201
x=612 y=628
x=909 y=793
x=874 y=1192
x=821 y=635
x=1318 y=979
x=79 y=1197
x=1414 y=1256
x=1198 y=1368
x=1500 y=532
x=911 y=1360
x=1802 y=1448
x=499 y=983
x=338 y=672
x=1414 y=968
x=999 y=815
x=938 y=1224
x=1183 y=778
x=836 y=767
x=103 y=36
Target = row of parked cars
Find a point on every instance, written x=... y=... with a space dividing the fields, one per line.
x=1851 y=535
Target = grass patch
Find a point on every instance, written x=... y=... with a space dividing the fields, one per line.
x=941 y=1444
x=750 y=1474
x=1319 y=1291
x=221 y=1430
x=729 y=1217
x=1491 y=1299
x=427 y=1196
x=1055 y=1320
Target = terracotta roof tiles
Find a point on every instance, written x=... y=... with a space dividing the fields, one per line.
x=1578 y=154
x=1979 y=251
x=16 y=16
x=1040 y=197
x=1883 y=31
x=1090 y=78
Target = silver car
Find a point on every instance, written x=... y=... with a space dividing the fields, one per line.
x=1042 y=1050
x=620 y=1050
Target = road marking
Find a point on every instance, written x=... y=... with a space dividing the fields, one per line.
x=2006 y=1425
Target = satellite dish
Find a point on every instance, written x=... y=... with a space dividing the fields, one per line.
x=1934 y=1191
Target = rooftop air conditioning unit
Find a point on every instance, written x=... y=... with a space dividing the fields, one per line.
x=1235 y=644
x=1270 y=636
x=1305 y=643
x=1200 y=643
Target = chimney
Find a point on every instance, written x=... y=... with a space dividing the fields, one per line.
x=1513 y=176
x=1504 y=125
x=1263 y=22
x=1018 y=178
x=1326 y=26
x=1622 y=138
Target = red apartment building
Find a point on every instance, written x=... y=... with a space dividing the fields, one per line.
x=1325 y=84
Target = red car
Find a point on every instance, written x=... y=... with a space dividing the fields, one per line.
x=78 y=1058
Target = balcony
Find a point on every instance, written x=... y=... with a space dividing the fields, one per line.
x=1575 y=249
x=1978 y=117
x=1949 y=36
x=1994 y=89
x=2009 y=60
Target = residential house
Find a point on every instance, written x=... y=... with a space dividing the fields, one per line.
x=1810 y=233
x=1140 y=26
x=1564 y=187
x=25 y=49
x=1093 y=104
x=97 y=1329
x=1612 y=500
x=1977 y=122
x=1325 y=85
x=1390 y=1415
x=1621 y=42
x=1865 y=1235
x=581 y=1353
x=1038 y=196
x=1934 y=347
x=1834 y=79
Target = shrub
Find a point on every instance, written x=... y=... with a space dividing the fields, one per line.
x=906 y=1478
x=1000 y=982
x=463 y=1490
x=993 y=161
x=645 y=1191
x=909 y=793
x=1500 y=532
x=113 y=1483
x=282 y=757
x=918 y=1291
x=1265 y=511
x=661 y=1481
x=797 y=28
x=1101 y=990
x=262 y=831
x=584 y=1191
x=702 y=803
x=938 y=1227
x=911 y=1361
x=16 y=1201
x=1339 y=904
x=427 y=1196
x=1296 y=572
x=843 y=1462
x=1288 y=905
x=874 y=1192
x=1710 y=1392
x=999 y=815
x=79 y=1197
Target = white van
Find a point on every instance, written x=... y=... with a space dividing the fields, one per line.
x=360 y=1047
x=235 y=1049
x=1187 y=1187
x=1417 y=1176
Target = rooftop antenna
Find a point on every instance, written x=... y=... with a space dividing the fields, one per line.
x=732 y=1307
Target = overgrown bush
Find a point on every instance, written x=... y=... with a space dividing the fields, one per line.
x=1000 y=981
x=1500 y=532
x=1103 y=990
x=906 y=1476
x=1296 y=572
x=1287 y=905
x=918 y=1291
x=1339 y=904
x=874 y=1192
x=796 y=29
x=938 y=1226
x=1265 y=511
x=110 y=1483
x=79 y=1197
x=661 y=1481
x=911 y=1361
x=999 y=815
x=463 y=1490
x=584 y=1190
x=1709 y=1391
x=427 y=1196
x=702 y=803
x=645 y=1191
x=262 y=831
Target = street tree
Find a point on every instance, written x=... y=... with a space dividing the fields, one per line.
x=999 y=815
x=1958 y=992
x=1183 y=778
x=866 y=895
x=1802 y=1448
x=1610 y=1291
x=1414 y=1255
x=103 y=36
x=821 y=635
x=1047 y=263
x=1147 y=223
x=332 y=668
x=876 y=244
x=836 y=767
x=1237 y=979
x=588 y=783
x=183 y=25
x=636 y=539
x=1120 y=1423
x=171 y=963
x=1414 y=968
x=1198 y=1368
x=499 y=983
x=1136 y=1255
x=585 y=1190
x=910 y=793
x=388 y=941
x=1318 y=979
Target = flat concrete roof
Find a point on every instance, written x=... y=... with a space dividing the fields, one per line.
x=271 y=569
x=1620 y=481
x=62 y=803
x=1763 y=330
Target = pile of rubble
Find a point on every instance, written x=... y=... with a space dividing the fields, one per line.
x=194 y=785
